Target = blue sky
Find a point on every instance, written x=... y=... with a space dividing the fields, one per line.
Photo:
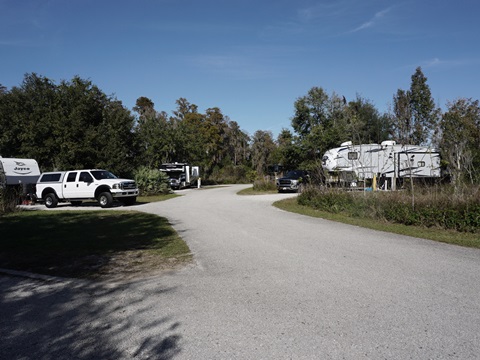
x=250 y=58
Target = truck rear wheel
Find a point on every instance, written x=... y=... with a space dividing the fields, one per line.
x=51 y=200
x=105 y=199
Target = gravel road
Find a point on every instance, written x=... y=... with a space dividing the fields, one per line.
x=266 y=284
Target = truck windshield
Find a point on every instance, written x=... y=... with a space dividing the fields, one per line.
x=294 y=174
x=102 y=174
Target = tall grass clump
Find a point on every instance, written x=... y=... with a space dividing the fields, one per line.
x=436 y=207
x=264 y=185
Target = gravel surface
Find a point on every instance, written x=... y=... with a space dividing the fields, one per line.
x=265 y=284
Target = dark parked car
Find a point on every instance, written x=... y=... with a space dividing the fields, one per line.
x=293 y=181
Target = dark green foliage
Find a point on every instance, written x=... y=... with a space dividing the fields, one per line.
x=415 y=116
x=152 y=181
x=66 y=126
x=8 y=199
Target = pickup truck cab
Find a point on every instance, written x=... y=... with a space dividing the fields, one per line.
x=79 y=185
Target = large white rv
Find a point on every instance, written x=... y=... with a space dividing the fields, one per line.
x=388 y=162
x=181 y=175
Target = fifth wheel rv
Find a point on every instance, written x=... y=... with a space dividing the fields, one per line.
x=388 y=162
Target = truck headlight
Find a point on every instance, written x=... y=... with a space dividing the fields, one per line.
x=117 y=186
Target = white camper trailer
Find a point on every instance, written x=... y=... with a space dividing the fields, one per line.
x=18 y=171
x=181 y=175
x=388 y=162
x=19 y=175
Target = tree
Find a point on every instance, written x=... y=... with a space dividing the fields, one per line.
x=27 y=118
x=320 y=122
x=460 y=141
x=71 y=125
x=287 y=152
x=153 y=135
x=117 y=152
x=238 y=142
x=424 y=113
x=143 y=106
x=415 y=115
x=365 y=124
x=262 y=149
x=402 y=117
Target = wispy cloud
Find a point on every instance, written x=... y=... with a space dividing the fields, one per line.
x=373 y=21
x=437 y=63
x=247 y=62
x=323 y=10
x=231 y=65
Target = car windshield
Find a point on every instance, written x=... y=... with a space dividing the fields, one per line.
x=103 y=174
x=294 y=174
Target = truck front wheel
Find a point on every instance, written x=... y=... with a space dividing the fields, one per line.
x=105 y=199
x=51 y=200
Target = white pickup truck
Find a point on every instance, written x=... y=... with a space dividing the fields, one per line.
x=79 y=185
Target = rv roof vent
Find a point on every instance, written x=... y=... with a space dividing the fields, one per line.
x=346 y=143
x=388 y=143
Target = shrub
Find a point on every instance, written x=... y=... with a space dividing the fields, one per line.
x=152 y=181
x=264 y=185
x=229 y=174
x=8 y=199
x=432 y=207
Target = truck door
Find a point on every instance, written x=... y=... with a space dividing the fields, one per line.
x=86 y=187
x=70 y=186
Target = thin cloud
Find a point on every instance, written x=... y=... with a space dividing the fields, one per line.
x=372 y=22
x=437 y=63
x=323 y=10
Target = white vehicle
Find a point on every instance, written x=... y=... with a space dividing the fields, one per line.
x=181 y=175
x=387 y=162
x=79 y=185
x=18 y=171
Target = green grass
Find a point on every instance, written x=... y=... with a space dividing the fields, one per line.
x=441 y=235
x=61 y=242
x=252 y=191
x=155 y=198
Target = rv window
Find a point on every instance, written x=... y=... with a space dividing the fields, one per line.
x=421 y=164
x=352 y=155
x=50 y=177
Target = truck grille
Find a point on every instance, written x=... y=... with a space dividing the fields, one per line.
x=284 y=182
x=127 y=185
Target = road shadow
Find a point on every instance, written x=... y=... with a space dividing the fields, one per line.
x=83 y=320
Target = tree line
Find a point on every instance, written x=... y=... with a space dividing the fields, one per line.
x=74 y=124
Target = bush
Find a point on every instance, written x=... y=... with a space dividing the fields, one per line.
x=152 y=181
x=264 y=185
x=8 y=200
x=229 y=174
x=431 y=207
